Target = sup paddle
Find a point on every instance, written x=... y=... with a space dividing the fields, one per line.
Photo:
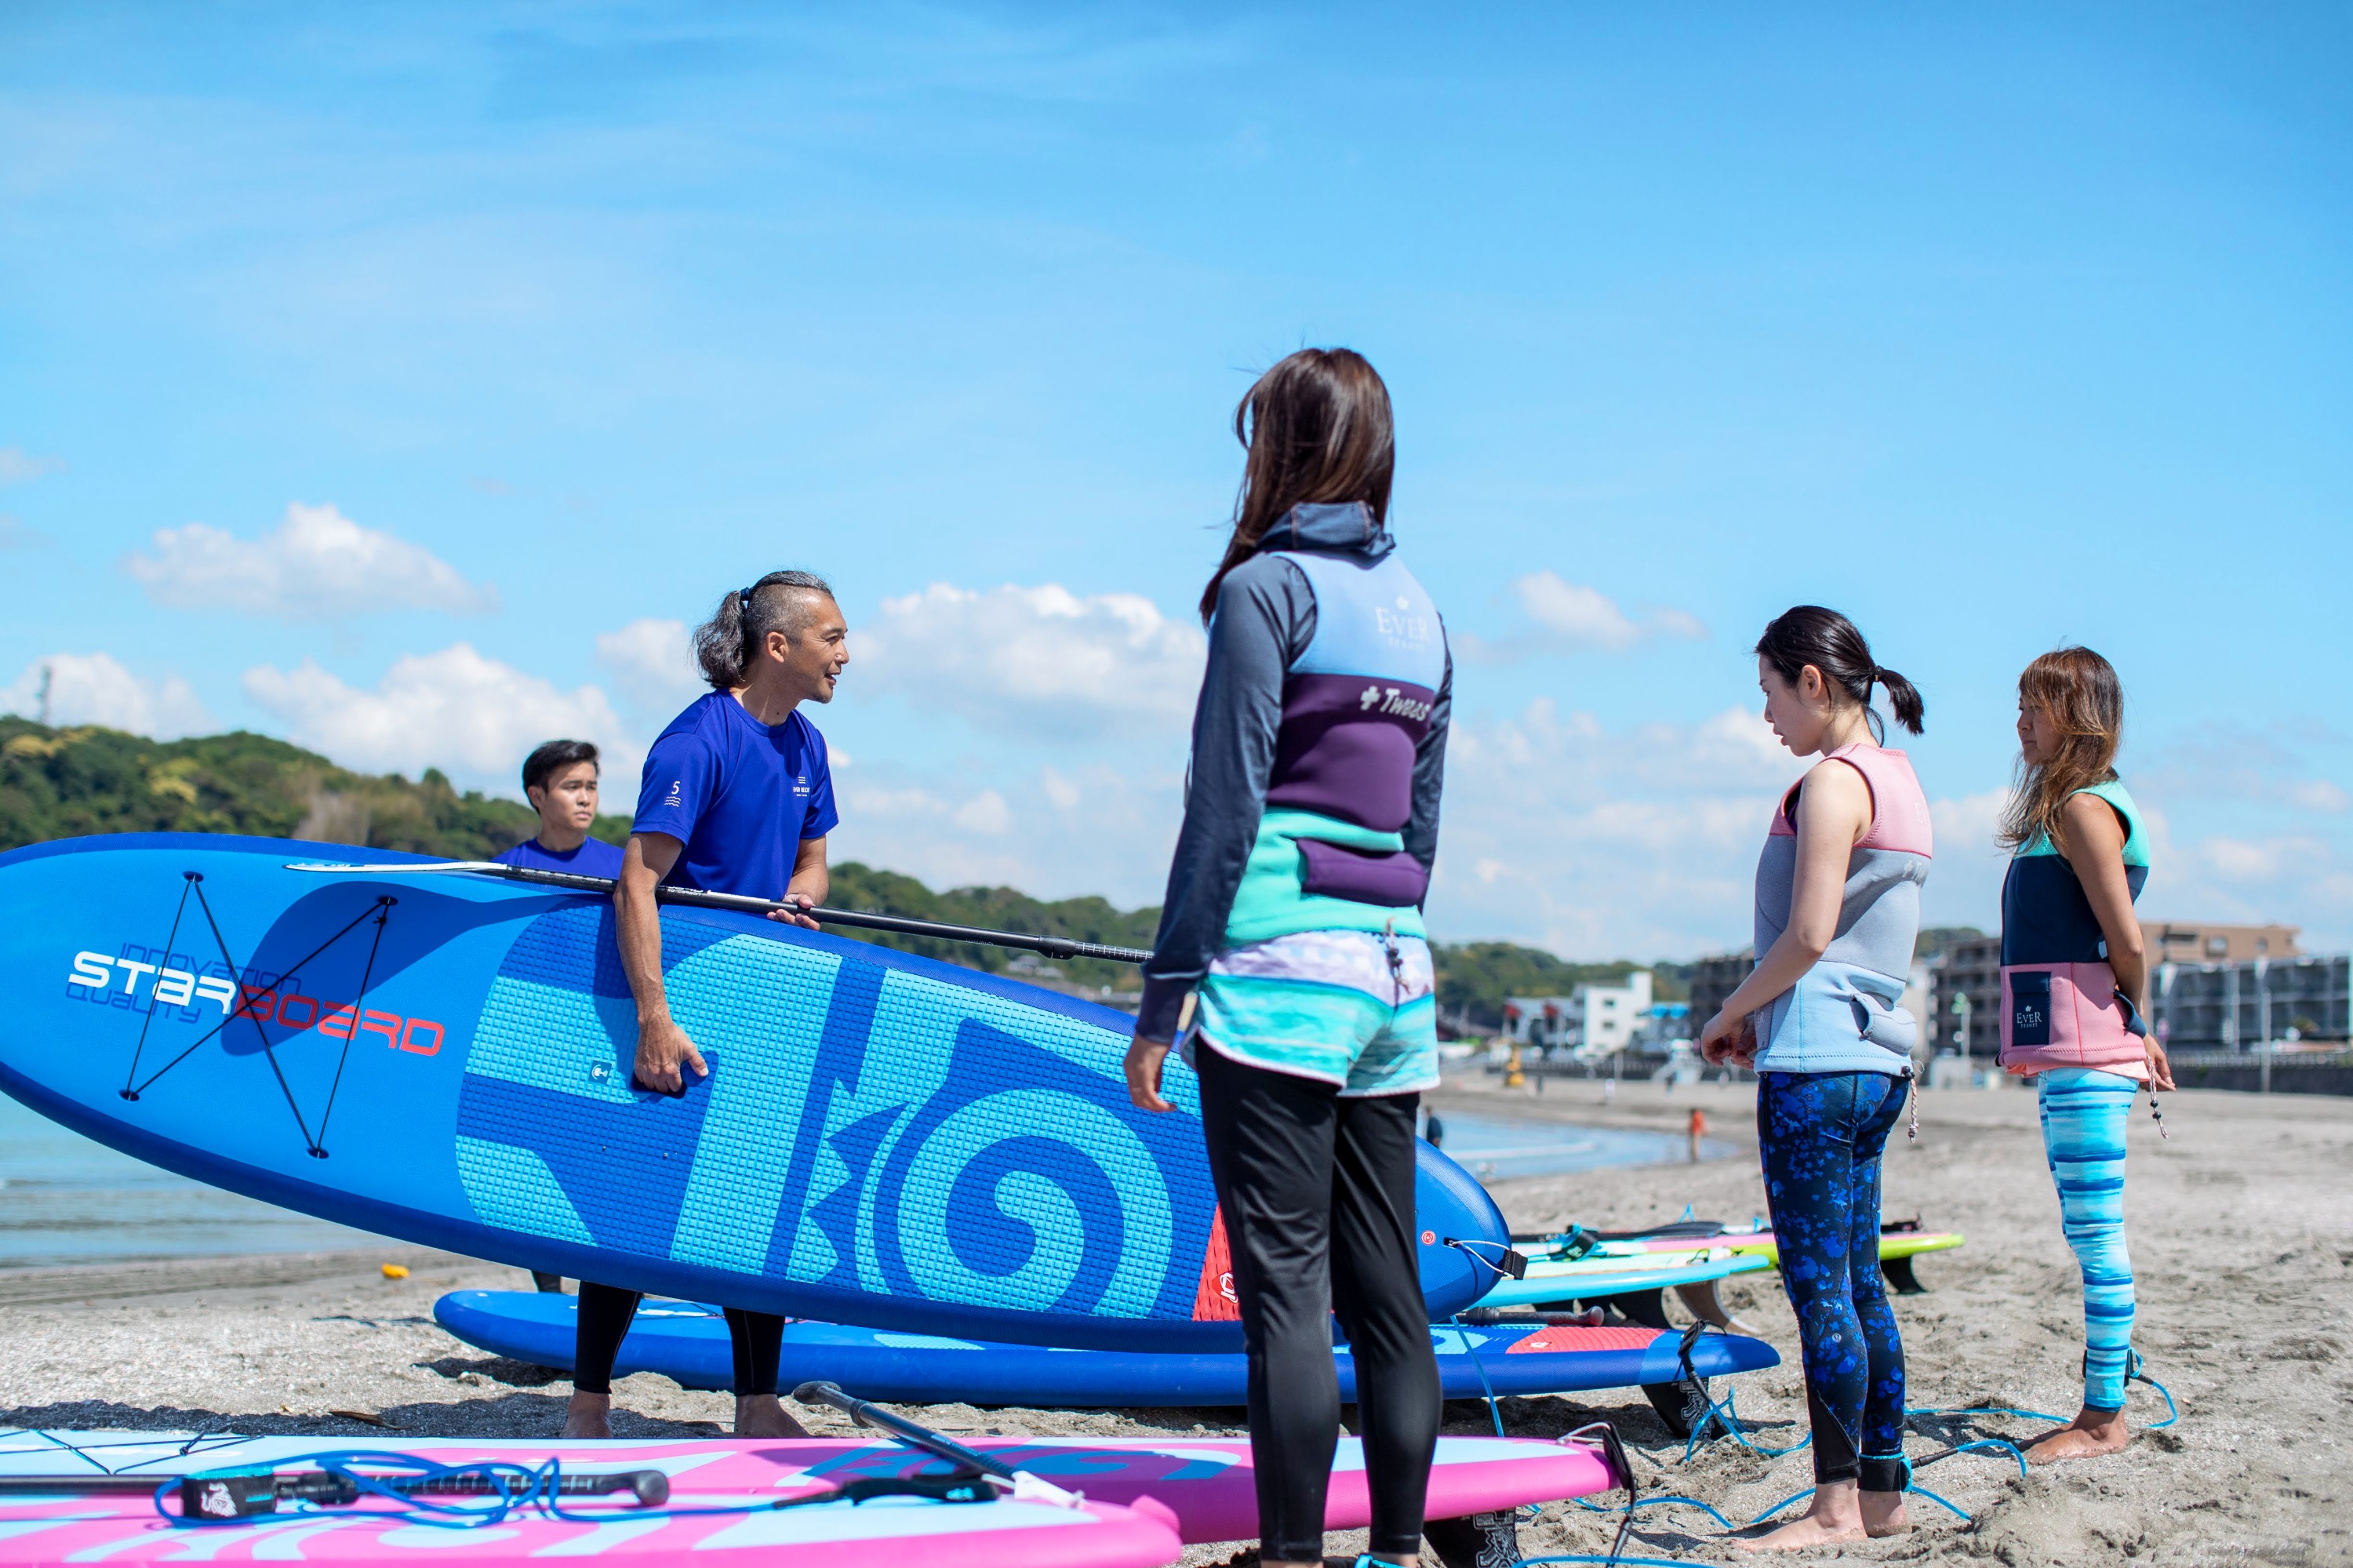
x=1019 y=1483
x=1052 y=946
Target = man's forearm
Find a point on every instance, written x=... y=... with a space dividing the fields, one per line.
x=638 y=919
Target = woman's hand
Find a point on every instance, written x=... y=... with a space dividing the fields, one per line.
x=1727 y=1039
x=1144 y=1059
x=2160 y=1071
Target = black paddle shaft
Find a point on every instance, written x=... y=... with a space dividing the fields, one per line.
x=696 y=898
x=912 y=1433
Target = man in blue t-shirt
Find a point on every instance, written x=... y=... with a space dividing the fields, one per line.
x=737 y=797
x=559 y=780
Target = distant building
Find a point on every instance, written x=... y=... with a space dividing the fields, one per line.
x=2184 y=942
x=1595 y=1018
x=2238 y=1006
x=1970 y=967
x=2259 y=986
x=1712 y=979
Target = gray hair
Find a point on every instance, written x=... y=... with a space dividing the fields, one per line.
x=781 y=601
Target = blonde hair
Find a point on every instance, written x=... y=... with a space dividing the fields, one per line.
x=2080 y=692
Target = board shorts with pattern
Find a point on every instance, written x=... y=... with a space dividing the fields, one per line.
x=1355 y=1009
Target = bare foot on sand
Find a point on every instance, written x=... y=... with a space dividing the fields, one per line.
x=2093 y=1434
x=764 y=1415
x=1836 y=1515
x=588 y=1416
x=1883 y=1515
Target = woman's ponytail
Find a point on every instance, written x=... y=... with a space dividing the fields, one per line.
x=1809 y=635
x=1902 y=697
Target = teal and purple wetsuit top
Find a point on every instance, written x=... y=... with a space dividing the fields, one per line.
x=1318 y=751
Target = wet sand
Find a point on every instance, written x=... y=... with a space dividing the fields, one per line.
x=2242 y=1245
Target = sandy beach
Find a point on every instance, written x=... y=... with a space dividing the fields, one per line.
x=2241 y=1239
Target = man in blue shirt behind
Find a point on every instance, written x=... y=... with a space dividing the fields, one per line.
x=559 y=780
x=737 y=797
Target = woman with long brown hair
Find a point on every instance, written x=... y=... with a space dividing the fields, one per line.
x=2074 y=981
x=1292 y=938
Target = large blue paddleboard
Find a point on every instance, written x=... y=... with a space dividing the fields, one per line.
x=881 y=1140
x=688 y=1343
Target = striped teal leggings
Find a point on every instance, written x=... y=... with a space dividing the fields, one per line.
x=2083 y=1116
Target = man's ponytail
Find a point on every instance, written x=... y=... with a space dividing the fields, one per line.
x=725 y=644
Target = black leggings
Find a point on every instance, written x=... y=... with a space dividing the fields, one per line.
x=606 y=1311
x=1317 y=1194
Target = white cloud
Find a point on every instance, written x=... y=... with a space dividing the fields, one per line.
x=473 y=717
x=985 y=813
x=94 y=688
x=315 y=563
x=1641 y=842
x=1039 y=662
x=18 y=465
x=1053 y=834
x=652 y=665
x=1564 y=617
x=1574 y=614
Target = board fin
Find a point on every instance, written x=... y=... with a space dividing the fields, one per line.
x=1899 y=1274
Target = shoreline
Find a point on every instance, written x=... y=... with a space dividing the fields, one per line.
x=2241 y=1239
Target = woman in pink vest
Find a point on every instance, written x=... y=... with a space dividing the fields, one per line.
x=2072 y=980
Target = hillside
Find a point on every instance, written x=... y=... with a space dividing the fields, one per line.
x=61 y=783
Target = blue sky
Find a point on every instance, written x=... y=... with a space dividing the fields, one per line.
x=402 y=378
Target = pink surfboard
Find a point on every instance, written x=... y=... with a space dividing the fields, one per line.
x=1141 y=1498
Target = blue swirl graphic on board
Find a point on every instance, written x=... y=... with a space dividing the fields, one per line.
x=865 y=1128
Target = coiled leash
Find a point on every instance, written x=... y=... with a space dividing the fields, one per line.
x=418 y=1487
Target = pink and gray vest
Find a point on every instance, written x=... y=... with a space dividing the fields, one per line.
x=1846 y=1014
x=2059 y=1006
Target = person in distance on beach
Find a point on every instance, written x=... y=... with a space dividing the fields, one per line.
x=559 y=780
x=1293 y=921
x=2073 y=979
x=1837 y=911
x=737 y=797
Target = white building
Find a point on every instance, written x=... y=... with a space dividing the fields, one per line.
x=1594 y=1020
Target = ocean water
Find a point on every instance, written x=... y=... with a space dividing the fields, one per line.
x=1506 y=1147
x=64 y=1200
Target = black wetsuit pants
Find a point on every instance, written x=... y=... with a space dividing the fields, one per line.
x=1317 y=1194
x=606 y=1311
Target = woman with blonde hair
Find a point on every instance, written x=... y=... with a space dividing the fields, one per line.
x=2074 y=978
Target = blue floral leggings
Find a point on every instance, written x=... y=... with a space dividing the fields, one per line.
x=1820 y=1136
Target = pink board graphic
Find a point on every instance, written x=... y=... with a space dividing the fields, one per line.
x=1141 y=1496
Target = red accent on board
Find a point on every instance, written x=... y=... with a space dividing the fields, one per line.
x=1571 y=1338
x=1214 y=1301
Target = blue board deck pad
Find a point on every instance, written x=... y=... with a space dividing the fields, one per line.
x=688 y=1343
x=881 y=1139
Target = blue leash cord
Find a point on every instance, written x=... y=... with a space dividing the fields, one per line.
x=510 y=1487
x=1470 y=1343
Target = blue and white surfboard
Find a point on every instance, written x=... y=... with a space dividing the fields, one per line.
x=882 y=1139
